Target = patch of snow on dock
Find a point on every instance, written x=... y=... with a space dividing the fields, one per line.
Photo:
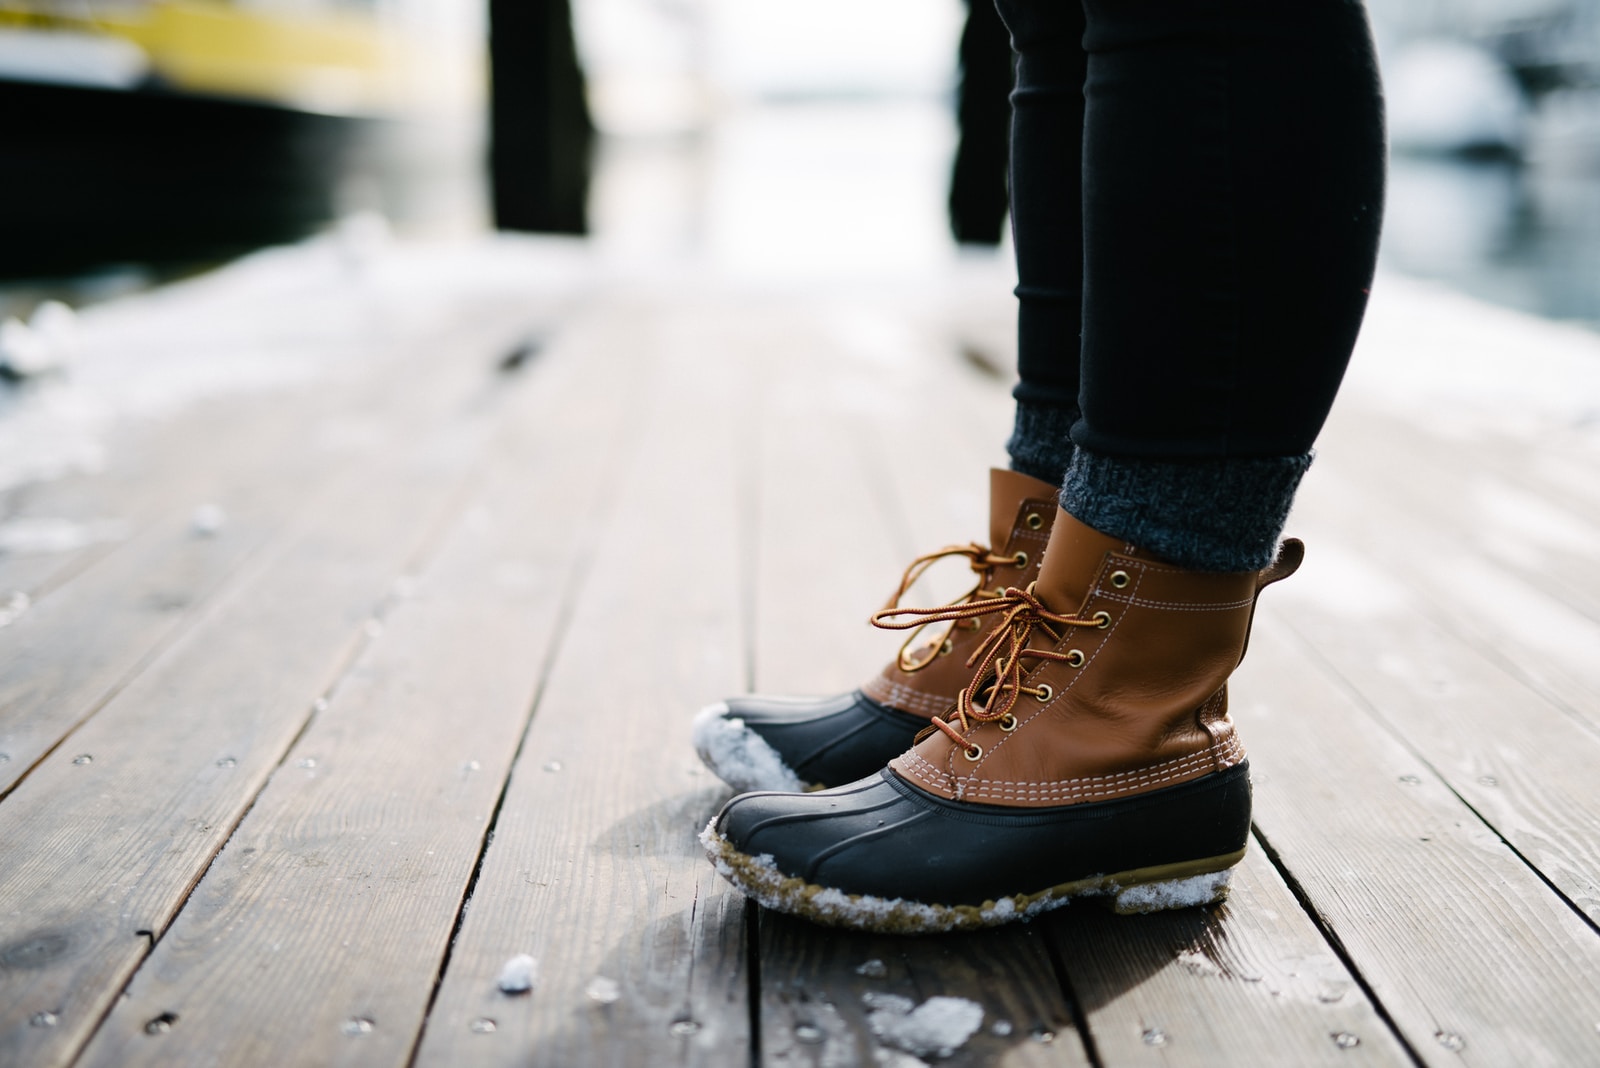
x=603 y=990
x=208 y=521
x=12 y=606
x=938 y=1027
x=518 y=975
x=330 y=307
x=30 y=536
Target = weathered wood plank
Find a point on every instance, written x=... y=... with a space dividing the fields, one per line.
x=1500 y=515
x=316 y=934
x=1536 y=637
x=31 y=575
x=825 y=560
x=165 y=374
x=593 y=868
x=819 y=991
x=1250 y=982
x=1542 y=455
x=72 y=650
x=106 y=838
x=1467 y=950
x=1527 y=766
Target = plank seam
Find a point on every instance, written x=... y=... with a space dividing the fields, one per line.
x=219 y=594
x=153 y=938
x=1335 y=943
x=210 y=599
x=341 y=669
x=577 y=578
x=1080 y=1018
x=1354 y=692
x=752 y=969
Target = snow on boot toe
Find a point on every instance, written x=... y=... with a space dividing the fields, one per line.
x=738 y=755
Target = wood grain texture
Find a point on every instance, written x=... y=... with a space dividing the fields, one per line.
x=106 y=838
x=31 y=575
x=1538 y=638
x=316 y=934
x=826 y=558
x=1543 y=534
x=1524 y=764
x=593 y=868
x=1468 y=951
x=820 y=990
x=72 y=650
x=1249 y=982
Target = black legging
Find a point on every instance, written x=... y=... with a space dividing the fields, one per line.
x=1197 y=187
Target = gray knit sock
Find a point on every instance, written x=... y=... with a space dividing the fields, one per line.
x=1040 y=445
x=1206 y=515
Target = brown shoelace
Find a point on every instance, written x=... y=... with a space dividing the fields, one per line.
x=996 y=672
x=980 y=557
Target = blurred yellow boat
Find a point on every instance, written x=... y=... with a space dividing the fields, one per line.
x=170 y=129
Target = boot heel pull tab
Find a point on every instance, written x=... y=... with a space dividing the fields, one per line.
x=1290 y=555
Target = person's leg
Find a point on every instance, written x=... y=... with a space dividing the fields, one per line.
x=1047 y=121
x=1232 y=180
x=1233 y=189
x=1228 y=156
x=978 y=197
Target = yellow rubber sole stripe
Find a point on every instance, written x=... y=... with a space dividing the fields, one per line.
x=1153 y=889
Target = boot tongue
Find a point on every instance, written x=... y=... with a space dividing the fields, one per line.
x=1007 y=491
x=1071 y=562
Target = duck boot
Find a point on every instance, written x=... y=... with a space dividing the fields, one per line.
x=1090 y=754
x=799 y=743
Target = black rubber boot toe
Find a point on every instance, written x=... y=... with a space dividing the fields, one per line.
x=801 y=743
x=881 y=854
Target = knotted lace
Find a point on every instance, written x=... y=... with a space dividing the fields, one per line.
x=980 y=557
x=997 y=682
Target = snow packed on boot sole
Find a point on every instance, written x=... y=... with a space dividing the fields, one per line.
x=1149 y=890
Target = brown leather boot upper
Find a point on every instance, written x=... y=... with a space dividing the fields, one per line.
x=924 y=679
x=1107 y=679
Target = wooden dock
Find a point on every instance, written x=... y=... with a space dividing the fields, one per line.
x=356 y=684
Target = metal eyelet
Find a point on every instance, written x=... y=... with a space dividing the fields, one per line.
x=947 y=648
x=973 y=751
x=1035 y=520
x=1007 y=723
x=1075 y=658
x=1119 y=579
x=1102 y=619
x=1047 y=694
x=1021 y=558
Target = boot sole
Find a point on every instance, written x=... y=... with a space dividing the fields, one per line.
x=1141 y=890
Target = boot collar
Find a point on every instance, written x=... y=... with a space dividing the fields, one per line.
x=1073 y=561
x=1008 y=491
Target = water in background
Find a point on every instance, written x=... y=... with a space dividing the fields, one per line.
x=746 y=136
x=1524 y=236
x=1495 y=120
